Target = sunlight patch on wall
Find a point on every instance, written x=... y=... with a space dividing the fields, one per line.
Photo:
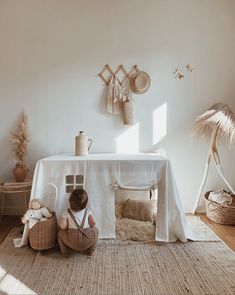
x=11 y=285
x=129 y=141
x=159 y=123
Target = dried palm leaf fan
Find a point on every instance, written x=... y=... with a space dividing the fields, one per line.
x=218 y=123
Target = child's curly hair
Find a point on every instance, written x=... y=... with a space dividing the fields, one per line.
x=78 y=199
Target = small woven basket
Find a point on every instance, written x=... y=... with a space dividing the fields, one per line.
x=43 y=235
x=222 y=214
x=128 y=117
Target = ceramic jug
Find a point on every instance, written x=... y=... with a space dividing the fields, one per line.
x=82 y=144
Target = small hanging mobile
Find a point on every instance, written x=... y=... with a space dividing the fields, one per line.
x=189 y=68
x=178 y=74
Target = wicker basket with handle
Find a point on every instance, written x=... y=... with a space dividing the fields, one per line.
x=43 y=235
x=222 y=214
x=128 y=118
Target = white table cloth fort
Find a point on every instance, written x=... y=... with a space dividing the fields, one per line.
x=101 y=172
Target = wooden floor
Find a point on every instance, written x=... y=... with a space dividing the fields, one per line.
x=8 y=222
x=224 y=232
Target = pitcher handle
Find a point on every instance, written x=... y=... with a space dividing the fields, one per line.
x=90 y=143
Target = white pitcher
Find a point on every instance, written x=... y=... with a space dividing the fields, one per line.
x=81 y=144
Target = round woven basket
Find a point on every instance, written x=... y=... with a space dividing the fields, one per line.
x=43 y=235
x=222 y=214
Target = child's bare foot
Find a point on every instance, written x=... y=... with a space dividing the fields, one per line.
x=92 y=252
x=65 y=255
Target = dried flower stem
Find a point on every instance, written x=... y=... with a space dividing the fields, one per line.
x=21 y=140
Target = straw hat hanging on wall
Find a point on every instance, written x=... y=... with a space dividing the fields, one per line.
x=216 y=123
x=140 y=82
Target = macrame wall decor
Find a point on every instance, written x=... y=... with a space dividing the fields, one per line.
x=121 y=85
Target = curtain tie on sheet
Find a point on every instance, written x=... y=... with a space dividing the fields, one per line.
x=117 y=186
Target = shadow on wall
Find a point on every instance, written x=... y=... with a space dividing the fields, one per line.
x=5 y=156
x=8 y=163
x=129 y=140
x=102 y=101
x=35 y=152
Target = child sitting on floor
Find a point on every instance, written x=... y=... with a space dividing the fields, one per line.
x=77 y=226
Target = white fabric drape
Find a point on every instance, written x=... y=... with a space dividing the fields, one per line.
x=101 y=172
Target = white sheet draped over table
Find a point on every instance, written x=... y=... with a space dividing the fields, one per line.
x=101 y=172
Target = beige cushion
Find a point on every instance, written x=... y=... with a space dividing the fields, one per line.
x=140 y=210
x=119 y=209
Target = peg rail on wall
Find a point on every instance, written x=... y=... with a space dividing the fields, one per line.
x=121 y=73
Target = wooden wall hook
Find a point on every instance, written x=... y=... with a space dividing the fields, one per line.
x=106 y=73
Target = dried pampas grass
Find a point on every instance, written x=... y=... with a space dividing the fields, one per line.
x=20 y=140
x=219 y=117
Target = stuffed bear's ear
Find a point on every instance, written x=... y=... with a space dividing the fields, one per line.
x=23 y=219
x=30 y=204
x=33 y=201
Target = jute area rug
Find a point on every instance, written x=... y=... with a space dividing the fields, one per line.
x=120 y=267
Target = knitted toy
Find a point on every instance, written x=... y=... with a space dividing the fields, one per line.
x=36 y=212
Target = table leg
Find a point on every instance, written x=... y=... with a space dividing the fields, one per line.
x=26 y=201
x=2 y=207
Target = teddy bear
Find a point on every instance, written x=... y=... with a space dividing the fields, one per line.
x=36 y=212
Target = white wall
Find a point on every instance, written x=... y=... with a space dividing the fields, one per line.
x=51 y=52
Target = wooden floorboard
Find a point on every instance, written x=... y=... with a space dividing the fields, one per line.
x=7 y=224
x=224 y=232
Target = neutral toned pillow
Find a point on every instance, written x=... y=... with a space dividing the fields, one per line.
x=140 y=210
